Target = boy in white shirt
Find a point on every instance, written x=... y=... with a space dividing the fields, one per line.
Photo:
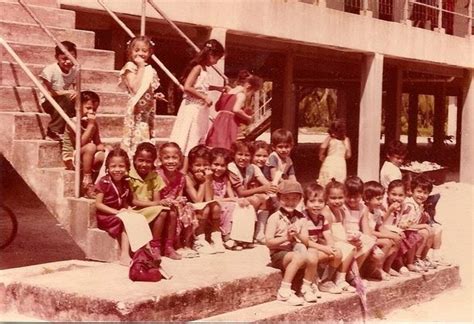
x=396 y=153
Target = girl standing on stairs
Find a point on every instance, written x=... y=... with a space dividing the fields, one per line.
x=192 y=121
x=141 y=80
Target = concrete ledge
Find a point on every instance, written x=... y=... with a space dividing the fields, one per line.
x=382 y=297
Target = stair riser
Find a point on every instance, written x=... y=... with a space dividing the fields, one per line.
x=29 y=126
x=36 y=54
x=13 y=75
x=27 y=100
x=51 y=17
x=44 y=3
x=31 y=34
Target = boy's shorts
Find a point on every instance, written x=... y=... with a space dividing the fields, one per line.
x=277 y=259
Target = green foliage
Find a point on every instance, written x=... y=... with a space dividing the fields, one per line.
x=317 y=108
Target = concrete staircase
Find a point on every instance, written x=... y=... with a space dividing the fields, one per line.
x=23 y=124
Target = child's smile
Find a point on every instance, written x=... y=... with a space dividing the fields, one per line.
x=117 y=168
x=242 y=158
x=260 y=157
x=170 y=159
x=143 y=163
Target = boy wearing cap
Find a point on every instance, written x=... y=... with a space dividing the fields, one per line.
x=282 y=233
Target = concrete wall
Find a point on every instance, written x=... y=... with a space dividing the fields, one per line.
x=305 y=23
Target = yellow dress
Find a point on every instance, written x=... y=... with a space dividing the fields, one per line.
x=143 y=189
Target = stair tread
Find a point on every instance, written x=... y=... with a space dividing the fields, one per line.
x=34 y=65
x=49 y=27
x=12 y=43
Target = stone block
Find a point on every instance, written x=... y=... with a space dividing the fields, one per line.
x=81 y=210
x=44 y=54
x=101 y=246
x=51 y=17
x=32 y=34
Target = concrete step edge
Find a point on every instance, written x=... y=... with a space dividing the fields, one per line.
x=50 y=27
x=12 y=44
x=33 y=65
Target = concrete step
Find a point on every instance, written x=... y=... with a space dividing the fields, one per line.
x=200 y=287
x=100 y=246
x=50 y=16
x=43 y=54
x=42 y=3
x=33 y=34
x=382 y=297
x=33 y=125
x=95 y=80
x=26 y=99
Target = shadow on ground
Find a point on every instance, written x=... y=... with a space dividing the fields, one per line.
x=40 y=237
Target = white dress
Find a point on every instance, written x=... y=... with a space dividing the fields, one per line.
x=191 y=124
x=334 y=165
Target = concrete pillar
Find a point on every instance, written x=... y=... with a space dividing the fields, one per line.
x=466 y=171
x=352 y=115
x=439 y=132
x=393 y=109
x=412 y=122
x=214 y=78
x=452 y=116
x=289 y=105
x=368 y=163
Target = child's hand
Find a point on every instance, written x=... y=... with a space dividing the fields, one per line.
x=226 y=88
x=243 y=202
x=395 y=207
x=208 y=101
x=71 y=94
x=160 y=96
x=199 y=176
x=139 y=61
x=208 y=174
x=167 y=202
x=330 y=251
x=270 y=188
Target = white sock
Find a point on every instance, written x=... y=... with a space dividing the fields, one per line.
x=286 y=286
x=306 y=283
x=340 y=276
x=434 y=254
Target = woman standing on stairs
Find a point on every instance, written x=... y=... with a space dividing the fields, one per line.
x=141 y=80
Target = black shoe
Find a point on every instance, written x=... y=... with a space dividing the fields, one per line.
x=53 y=136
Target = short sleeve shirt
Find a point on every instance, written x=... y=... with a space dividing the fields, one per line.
x=281 y=220
x=274 y=161
x=116 y=195
x=57 y=78
x=316 y=227
x=388 y=173
x=240 y=178
x=143 y=189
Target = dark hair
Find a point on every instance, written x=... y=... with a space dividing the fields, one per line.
x=147 y=147
x=131 y=43
x=423 y=182
x=89 y=95
x=242 y=76
x=211 y=47
x=199 y=151
x=312 y=190
x=372 y=189
x=353 y=186
x=70 y=46
x=395 y=184
x=282 y=136
x=239 y=145
x=337 y=129
x=261 y=145
x=117 y=152
x=255 y=82
x=396 y=148
x=221 y=152
x=172 y=145
x=333 y=184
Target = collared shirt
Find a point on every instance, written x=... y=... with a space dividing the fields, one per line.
x=144 y=189
x=280 y=221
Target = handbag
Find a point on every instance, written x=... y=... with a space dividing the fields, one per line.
x=144 y=266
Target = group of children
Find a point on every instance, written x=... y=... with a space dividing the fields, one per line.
x=207 y=190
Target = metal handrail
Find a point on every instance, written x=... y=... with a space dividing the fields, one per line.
x=131 y=34
x=186 y=38
x=77 y=127
x=439 y=9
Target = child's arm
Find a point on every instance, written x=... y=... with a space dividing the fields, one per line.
x=100 y=206
x=270 y=230
x=327 y=248
x=224 y=88
x=239 y=104
x=347 y=144
x=195 y=195
x=56 y=93
x=323 y=148
x=228 y=188
x=133 y=79
x=189 y=85
x=242 y=192
x=365 y=223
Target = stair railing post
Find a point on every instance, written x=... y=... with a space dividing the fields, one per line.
x=142 y=22
x=78 y=107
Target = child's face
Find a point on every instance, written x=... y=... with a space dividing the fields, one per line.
x=212 y=59
x=65 y=64
x=397 y=194
x=353 y=201
x=335 y=198
x=375 y=202
x=242 y=157
x=143 y=163
x=283 y=150
x=199 y=167
x=420 y=195
x=289 y=201
x=140 y=51
x=117 y=168
x=218 y=166
x=260 y=157
x=315 y=204
x=396 y=159
x=170 y=158
x=89 y=107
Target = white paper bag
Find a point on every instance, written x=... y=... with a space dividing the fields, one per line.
x=243 y=224
x=137 y=229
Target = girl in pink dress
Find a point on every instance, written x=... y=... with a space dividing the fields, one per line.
x=231 y=109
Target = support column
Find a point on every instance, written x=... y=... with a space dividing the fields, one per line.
x=466 y=171
x=289 y=105
x=439 y=132
x=220 y=35
x=412 y=123
x=393 y=109
x=370 y=123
